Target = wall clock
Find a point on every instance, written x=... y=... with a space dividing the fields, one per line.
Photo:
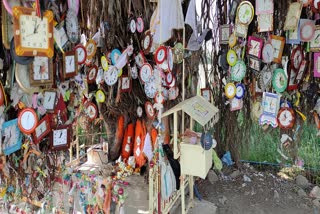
x=293 y=16
x=233 y=10
x=255 y=46
x=315 y=41
x=27 y=120
x=278 y=45
x=23 y=80
x=169 y=78
x=232 y=40
x=316 y=65
x=240 y=91
x=148 y=107
x=91 y=48
x=91 y=110
x=296 y=57
x=264 y=7
x=150 y=88
x=12 y=137
x=72 y=26
x=160 y=54
x=134 y=72
x=132 y=25
x=42 y=129
x=293 y=36
x=104 y=63
x=111 y=76
x=267 y=52
x=236 y=104
x=254 y=63
x=7 y=27
x=265 y=22
x=140 y=25
x=115 y=55
x=230 y=90
x=33 y=36
x=302 y=71
x=145 y=72
x=126 y=83
x=147 y=42
x=315 y=6
x=92 y=74
x=238 y=71
x=60 y=137
x=81 y=53
x=245 y=12
x=140 y=59
x=100 y=96
x=265 y=78
x=279 y=80
x=307 y=30
x=270 y=106
x=159 y=97
x=206 y=94
x=224 y=34
x=241 y=30
x=173 y=93
x=70 y=64
x=49 y=100
x=286 y=118
x=41 y=71
x=292 y=74
x=232 y=57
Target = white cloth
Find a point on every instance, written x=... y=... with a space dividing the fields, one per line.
x=191 y=19
x=147 y=147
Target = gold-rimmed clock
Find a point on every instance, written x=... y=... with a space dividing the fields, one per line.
x=33 y=35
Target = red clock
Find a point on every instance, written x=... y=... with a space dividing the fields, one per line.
x=92 y=74
x=27 y=120
x=160 y=54
x=151 y=113
x=286 y=118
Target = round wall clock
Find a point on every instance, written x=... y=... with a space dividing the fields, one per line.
x=160 y=54
x=232 y=57
x=92 y=74
x=145 y=72
x=91 y=110
x=296 y=57
x=134 y=72
x=267 y=53
x=173 y=93
x=159 y=97
x=279 y=80
x=147 y=42
x=150 y=88
x=100 y=96
x=232 y=40
x=240 y=91
x=245 y=13
x=140 y=25
x=115 y=54
x=140 y=59
x=111 y=76
x=132 y=25
x=169 y=78
x=238 y=71
x=27 y=120
x=230 y=90
x=104 y=63
x=91 y=48
x=23 y=80
x=307 y=31
x=151 y=113
x=286 y=118
x=72 y=26
x=81 y=53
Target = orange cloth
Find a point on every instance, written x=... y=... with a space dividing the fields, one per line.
x=127 y=144
x=140 y=134
x=154 y=135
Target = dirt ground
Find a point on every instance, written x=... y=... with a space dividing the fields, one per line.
x=253 y=191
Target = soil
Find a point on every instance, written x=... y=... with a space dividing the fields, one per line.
x=268 y=192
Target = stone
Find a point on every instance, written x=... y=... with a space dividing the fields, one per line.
x=235 y=174
x=316 y=202
x=302 y=181
x=315 y=192
x=302 y=193
x=212 y=177
x=223 y=200
x=276 y=195
x=246 y=178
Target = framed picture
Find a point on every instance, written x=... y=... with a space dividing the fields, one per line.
x=41 y=71
x=236 y=104
x=42 y=130
x=12 y=137
x=126 y=83
x=49 y=100
x=224 y=34
x=315 y=42
x=255 y=46
x=293 y=36
x=316 y=65
x=254 y=63
x=278 y=45
x=70 y=64
x=206 y=93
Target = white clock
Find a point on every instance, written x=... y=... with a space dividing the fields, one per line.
x=145 y=72
x=111 y=76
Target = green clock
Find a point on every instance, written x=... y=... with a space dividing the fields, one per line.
x=238 y=71
x=279 y=80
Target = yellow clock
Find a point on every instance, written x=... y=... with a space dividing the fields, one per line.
x=33 y=35
x=232 y=57
x=232 y=40
x=230 y=90
x=100 y=96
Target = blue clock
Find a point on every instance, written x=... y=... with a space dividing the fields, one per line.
x=240 y=91
x=115 y=54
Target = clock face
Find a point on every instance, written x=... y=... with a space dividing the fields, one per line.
x=145 y=72
x=104 y=63
x=238 y=71
x=230 y=90
x=60 y=137
x=265 y=78
x=240 y=91
x=81 y=54
x=232 y=40
x=232 y=57
x=91 y=48
x=150 y=88
x=267 y=53
x=140 y=25
x=134 y=72
x=265 y=22
x=307 y=31
x=41 y=68
x=115 y=55
x=160 y=54
x=255 y=45
x=49 y=100
x=41 y=128
x=139 y=59
x=169 y=78
x=277 y=44
x=23 y=80
x=92 y=74
x=111 y=76
x=149 y=110
x=173 y=93
x=132 y=26
x=72 y=26
x=286 y=118
x=245 y=12
x=146 y=42
x=297 y=57
x=279 y=80
x=70 y=64
x=27 y=120
x=91 y=111
x=100 y=96
x=159 y=98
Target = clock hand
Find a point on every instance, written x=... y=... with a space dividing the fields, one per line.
x=60 y=135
